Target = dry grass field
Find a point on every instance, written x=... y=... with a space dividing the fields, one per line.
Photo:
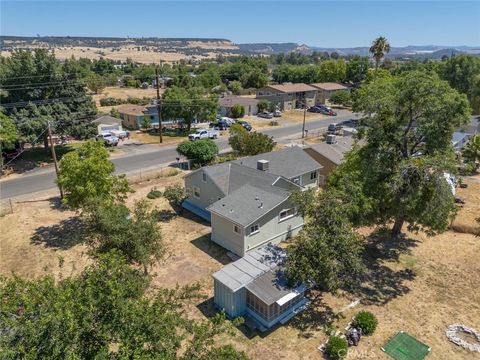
x=418 y=284
x=124 y=53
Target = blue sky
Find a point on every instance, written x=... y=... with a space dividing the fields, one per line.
x=316 y=23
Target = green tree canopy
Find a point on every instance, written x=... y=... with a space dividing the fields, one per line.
x=8 y=132
x=263 y=105
x=58 y=90
x=135 y=235
x=200 y=151
x=341 y=97
x=104 y=313
x=87 y=174
x=188 y=104
x=327 y=253
x=249 y=143
x=400 y=170
x=471 y=151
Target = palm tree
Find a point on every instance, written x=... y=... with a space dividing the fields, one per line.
x=379 y=48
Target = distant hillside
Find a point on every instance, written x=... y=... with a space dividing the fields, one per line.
x=153 y=49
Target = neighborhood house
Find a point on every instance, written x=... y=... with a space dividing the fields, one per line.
x=326 y=89
x=228 y=101
x=107 y=123
x=255 y=287
x=289 y=96
x=132 y=115
x=248 y=202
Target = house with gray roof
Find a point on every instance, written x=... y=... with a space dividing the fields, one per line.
x=256 y=288
x=247 y=201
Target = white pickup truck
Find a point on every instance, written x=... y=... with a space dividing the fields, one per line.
x=203 y=134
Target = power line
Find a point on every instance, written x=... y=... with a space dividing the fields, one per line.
x=43 y=102
x=23 y=150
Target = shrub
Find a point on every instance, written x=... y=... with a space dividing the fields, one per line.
x=200 y=151
x=337 y=348
x=341 y=98
x=154 y=194
x=249 y=143
x=263 y=105
x=273 y=123
x=366 y=321
x=175 y=195
x=110 y=101
x=238 y=111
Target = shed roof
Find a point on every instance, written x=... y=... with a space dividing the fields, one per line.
x=107 y=120
x=329 y=86
x=289 y=162
x=335 y=152
x=242 y=272
x=292 y=88
x=230 y=100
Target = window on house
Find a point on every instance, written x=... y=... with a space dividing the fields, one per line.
x=196 y=192
x=287 y=213
x=237 y=229
x=254 y=229
x=297 y=180
x=313 y=175
x=204 y=177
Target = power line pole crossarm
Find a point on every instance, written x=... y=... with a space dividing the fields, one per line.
x=54 y=155
x=159 y=105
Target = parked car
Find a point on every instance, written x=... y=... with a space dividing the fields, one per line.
x=333 y=128
x=315 y=109
x=228 y=120
x=203 y=134
x=277 y=113
x=350 y=123
x=328 y=111
x=245 y=125
x=108 y=139
x=265 y=115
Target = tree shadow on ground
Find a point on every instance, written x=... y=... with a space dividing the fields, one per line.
x=56 y=204
x=64 y=235
x=381 y=284
x=316 y=316
x=211 y=249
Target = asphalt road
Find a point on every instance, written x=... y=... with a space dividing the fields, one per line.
x=43 y=179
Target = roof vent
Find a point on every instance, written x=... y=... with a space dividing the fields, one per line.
x=331 y=139
x=262 y=165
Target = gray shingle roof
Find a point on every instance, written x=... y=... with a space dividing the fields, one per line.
x=219 y=174
x=249 y=202
x=335 y=152
x=243 y=271
x=289 y=162
x=107 y=119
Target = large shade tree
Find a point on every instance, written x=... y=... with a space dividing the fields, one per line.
x=87 y=174
x=109 y=311
x=400 y=171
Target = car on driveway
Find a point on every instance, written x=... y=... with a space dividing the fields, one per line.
x=108 y=139
x=333 y=128
x=245 y=125
x=314 y=109
x=277 y=113
x=265 y=115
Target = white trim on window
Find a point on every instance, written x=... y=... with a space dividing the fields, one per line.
x=254 y=229
x=313 y=175
x=196 y=192
x=237 y=229
x=287 y=214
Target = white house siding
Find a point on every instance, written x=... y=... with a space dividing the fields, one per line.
x=223 y=235
x=307 y=181
x=209 y=191
x=271 y=230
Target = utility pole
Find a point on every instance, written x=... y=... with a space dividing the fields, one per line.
x=304 y=116
x=54 y=155
x=159 y=109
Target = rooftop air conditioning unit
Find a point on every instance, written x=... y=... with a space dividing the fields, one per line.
x=262 y=165
x=331 y=139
